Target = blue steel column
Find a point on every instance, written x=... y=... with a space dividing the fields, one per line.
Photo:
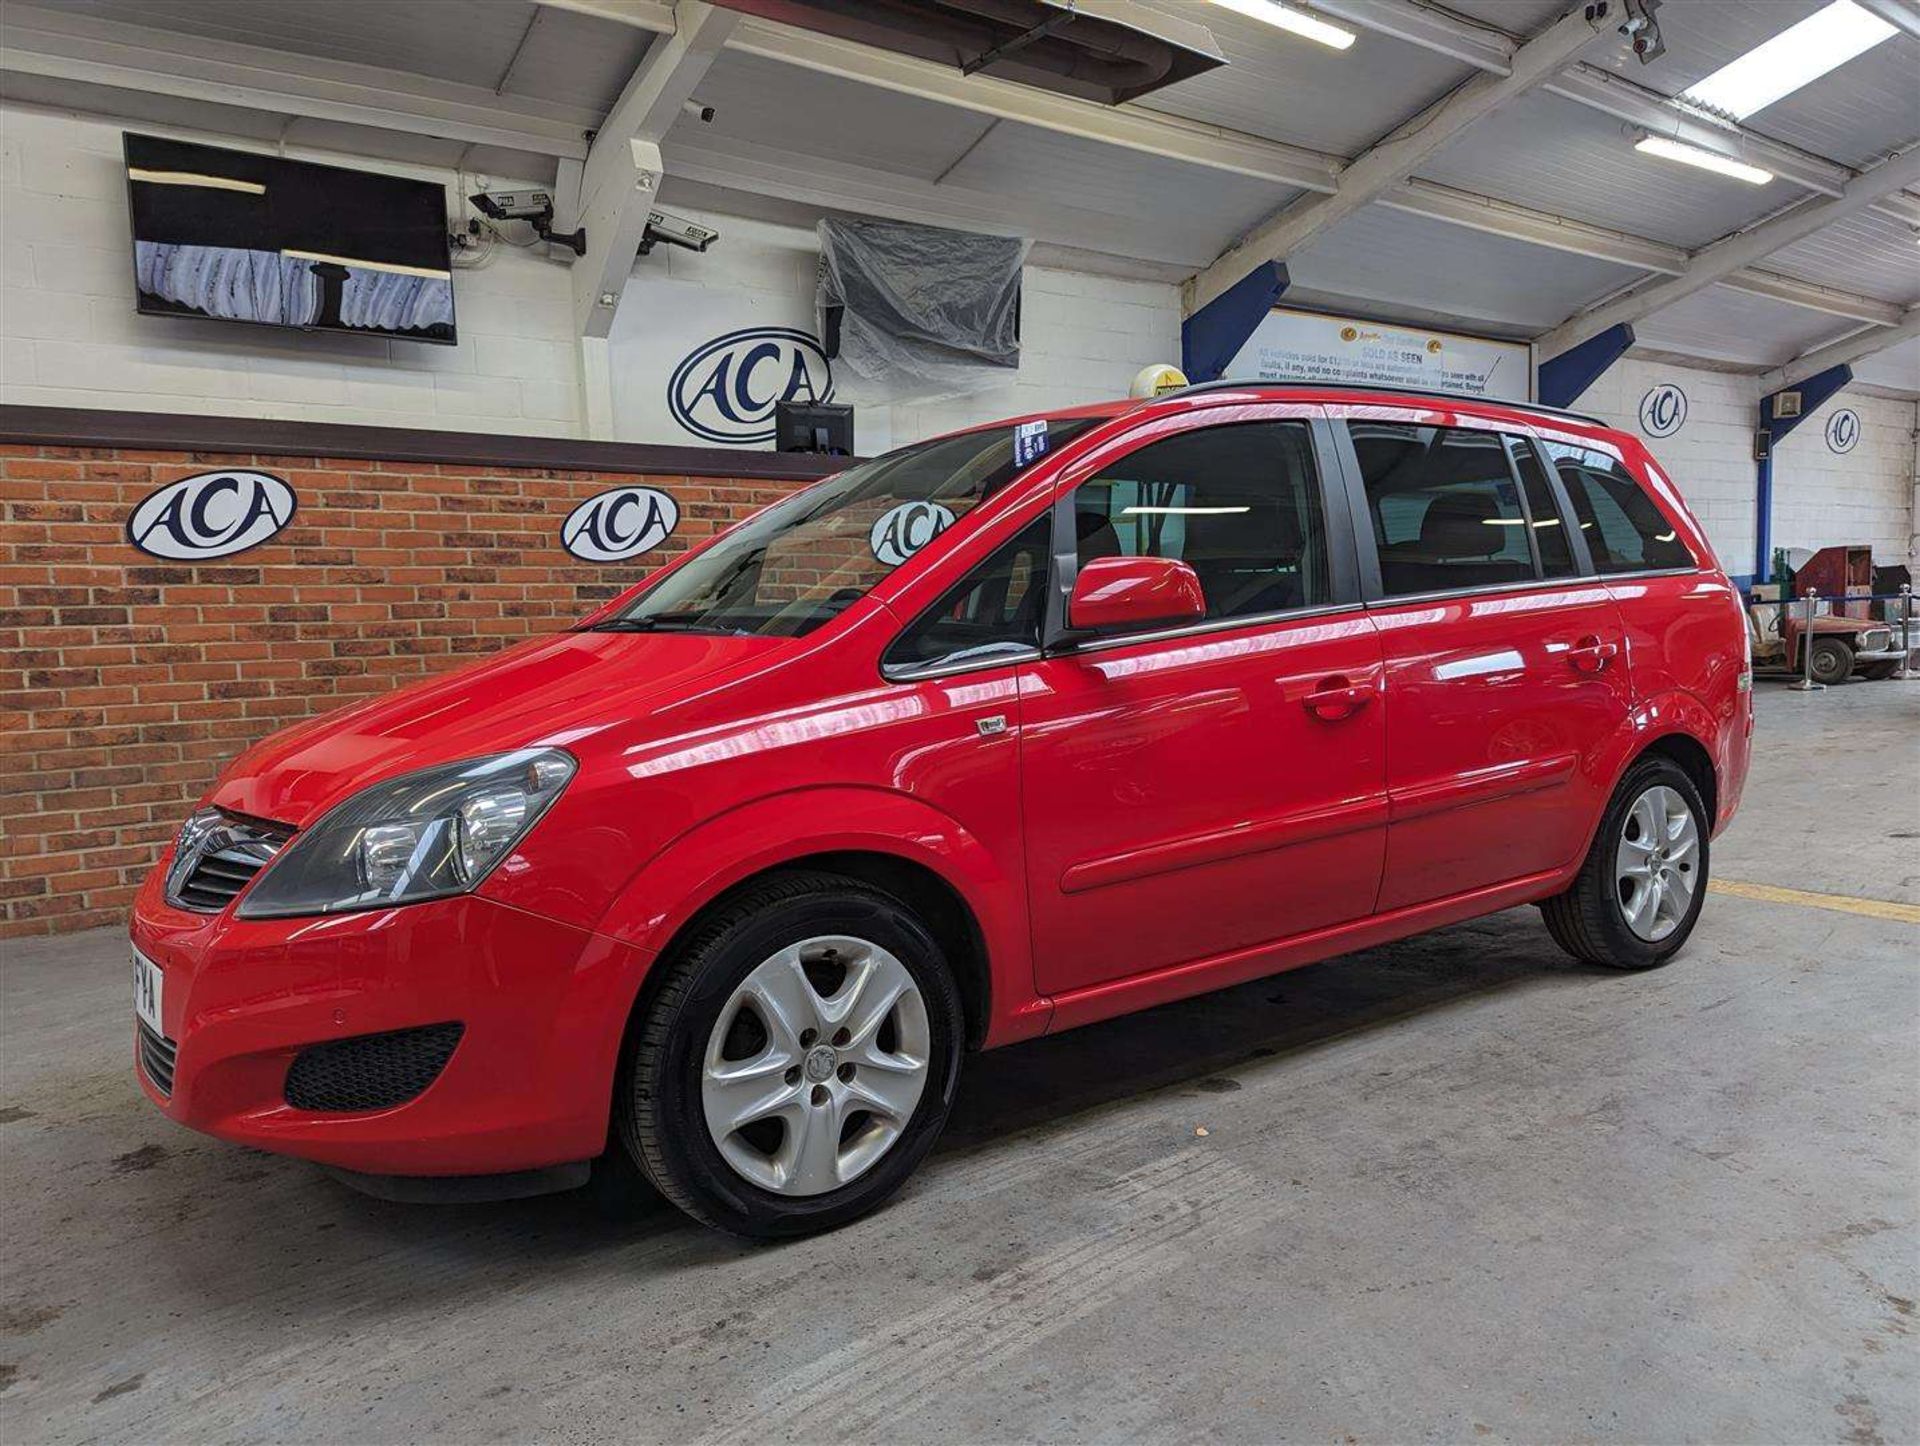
x=1564 y=377
x=1213 y=335
x=1815 y=392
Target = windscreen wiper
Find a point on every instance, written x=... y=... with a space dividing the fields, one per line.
x=662 y=623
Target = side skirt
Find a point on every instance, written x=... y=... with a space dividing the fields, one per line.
x=1201 y=976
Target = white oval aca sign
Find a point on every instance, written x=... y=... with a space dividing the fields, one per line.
x=624 y=522
x=211 y=514
x=902 y=531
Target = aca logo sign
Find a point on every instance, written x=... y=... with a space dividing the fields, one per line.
x=211 y=514
x=1663 y=410
x=625 y=522
x=901 y=531
x=725 y=391
x=1843 y=431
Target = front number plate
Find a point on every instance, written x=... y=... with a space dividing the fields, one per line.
x=147 y=984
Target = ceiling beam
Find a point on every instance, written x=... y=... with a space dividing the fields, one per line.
x=1845 y=352
x=1806 y=294
x=80 y=49
x=623 y=171
x=1898 y=13
x=1481 y=46
x=1490 y=50
x=1538 y=228
x=1392 y=161
x=1217 y=148
x=1148 y=132
x=1737 y=252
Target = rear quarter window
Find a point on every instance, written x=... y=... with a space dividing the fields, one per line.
x=1625 y=529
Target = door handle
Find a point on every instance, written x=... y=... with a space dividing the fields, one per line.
x=1335 y=697
x=1592 y=654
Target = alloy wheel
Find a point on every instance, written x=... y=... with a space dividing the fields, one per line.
x=1657 y=863
x=815 y=1065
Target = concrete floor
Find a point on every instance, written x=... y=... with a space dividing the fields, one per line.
x=1457 y=1188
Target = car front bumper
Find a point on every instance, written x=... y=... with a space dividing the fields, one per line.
x=543 y=1007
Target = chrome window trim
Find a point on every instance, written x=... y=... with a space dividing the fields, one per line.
x=1189 y=630
x=1533 y=585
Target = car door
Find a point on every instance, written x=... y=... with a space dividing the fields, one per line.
x=1505 y=681
x=1184 y=795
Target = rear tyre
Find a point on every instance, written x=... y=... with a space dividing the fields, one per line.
x=798 y=1058
x=1832 y=661
x=1639 y=891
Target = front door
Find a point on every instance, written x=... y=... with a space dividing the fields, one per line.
x=1201 y=790
x=1505 y=675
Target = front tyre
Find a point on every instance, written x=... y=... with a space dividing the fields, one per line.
x=1639 y=892
x=797 y=1060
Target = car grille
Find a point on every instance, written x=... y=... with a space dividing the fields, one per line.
x=371 y=1071
x=222 y=862
x=157 y=1054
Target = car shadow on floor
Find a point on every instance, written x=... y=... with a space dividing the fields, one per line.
x=1191 y=1043
x=243 y=1225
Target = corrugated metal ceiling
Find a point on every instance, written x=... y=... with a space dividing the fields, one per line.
x=1868 y=252
x=1305 y=94
x=1556 y=155
x=1732 y=326
x=1541 y=152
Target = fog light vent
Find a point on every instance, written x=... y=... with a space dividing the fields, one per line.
x=371 y=1071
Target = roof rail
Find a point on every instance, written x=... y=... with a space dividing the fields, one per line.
x=1229 y=384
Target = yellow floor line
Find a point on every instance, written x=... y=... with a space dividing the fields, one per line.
x=1842 y=903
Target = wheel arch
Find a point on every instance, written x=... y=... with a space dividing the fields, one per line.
x=888 y=841
x=1694 y=759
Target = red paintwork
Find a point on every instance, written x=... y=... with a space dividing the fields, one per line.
x=1161 y=816
x=1112 y=594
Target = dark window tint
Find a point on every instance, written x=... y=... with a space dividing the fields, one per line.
x=1543 y=513
x=1446 y=509
x=1625 y=532
x=1239 y=504
x=993 y=612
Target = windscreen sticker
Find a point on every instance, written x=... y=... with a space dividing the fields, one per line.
x=1029 y=442
x=902 y=531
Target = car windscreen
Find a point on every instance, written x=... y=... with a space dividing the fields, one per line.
x=804 y=560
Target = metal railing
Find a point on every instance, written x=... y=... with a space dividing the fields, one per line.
x=1808 y=605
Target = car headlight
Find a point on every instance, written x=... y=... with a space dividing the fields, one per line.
x=424 y=835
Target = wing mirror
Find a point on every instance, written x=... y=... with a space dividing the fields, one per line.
x=1119 y=593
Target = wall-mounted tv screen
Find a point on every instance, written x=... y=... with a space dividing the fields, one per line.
x=247 y=237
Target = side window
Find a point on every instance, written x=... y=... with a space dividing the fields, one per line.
x=1446 y=509
x=994 y=611
x=1239 y=504
x=1543 y=511
x=1625 y=531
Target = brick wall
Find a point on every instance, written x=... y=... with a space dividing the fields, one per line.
x=127 y=682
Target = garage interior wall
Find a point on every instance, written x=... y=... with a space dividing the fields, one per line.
x=138 y=667
x=72 y=338
x=1820 y=498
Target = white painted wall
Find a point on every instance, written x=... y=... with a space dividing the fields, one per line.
x=1083 y=337
x=1820 y=499
x=72 y=339
x=69 y=337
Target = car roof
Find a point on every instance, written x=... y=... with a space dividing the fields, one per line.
x=1334 y=392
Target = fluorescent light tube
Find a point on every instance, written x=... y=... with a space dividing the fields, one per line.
x=1705 y=160
x=1297 y=22
x=1801 y=53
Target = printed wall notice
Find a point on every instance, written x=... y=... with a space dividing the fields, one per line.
x=1309 y=346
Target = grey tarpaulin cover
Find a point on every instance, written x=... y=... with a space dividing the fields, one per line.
x=918 y=303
